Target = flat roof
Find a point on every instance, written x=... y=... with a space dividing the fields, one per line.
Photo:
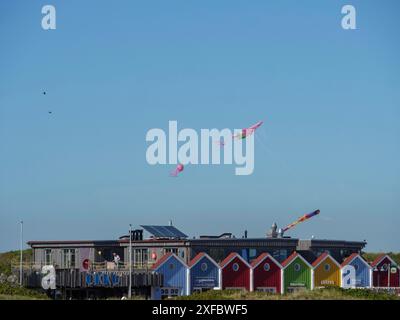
x=278 y=242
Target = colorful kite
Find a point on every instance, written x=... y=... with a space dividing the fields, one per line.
x=179 y=168
x=301 y=219
x=245 y=132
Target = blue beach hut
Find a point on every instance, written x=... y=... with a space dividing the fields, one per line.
x=175 y=275
x=363 y=272
x=204 y=273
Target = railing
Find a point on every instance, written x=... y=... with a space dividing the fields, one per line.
x=94 y=266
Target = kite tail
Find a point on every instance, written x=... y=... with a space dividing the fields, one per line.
x=174 y=173
x=220 y=143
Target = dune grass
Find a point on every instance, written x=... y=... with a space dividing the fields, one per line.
x=318 y=294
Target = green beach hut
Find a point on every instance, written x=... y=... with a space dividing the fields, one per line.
x=296 y=274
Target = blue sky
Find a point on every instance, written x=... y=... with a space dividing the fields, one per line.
x=329 y=97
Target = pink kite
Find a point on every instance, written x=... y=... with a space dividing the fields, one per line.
x=245 y=132
x=179 y=168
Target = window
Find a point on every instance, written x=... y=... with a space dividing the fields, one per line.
x=171 y=266
x=48 y=257
x=69 y=258
x=283 y=254
x=171 y=250
x=356 y=267
x=204 y=267
x=165 y=291
x=252 y=253
x=140 y=258
x=295 y=289
x=266 y=289
x=385 y=267
x=280 y=254
x=327 y=267
x=297 y=267
x=267 y=267
x=235 y=267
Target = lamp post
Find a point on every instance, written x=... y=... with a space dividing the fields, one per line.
x=130 y=262
x=20 y=255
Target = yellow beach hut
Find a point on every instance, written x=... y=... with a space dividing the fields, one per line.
x=326 y=271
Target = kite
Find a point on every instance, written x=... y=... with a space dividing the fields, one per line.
x=49 y=111
x=301 y=219
x=245 y=132
x=179 y=168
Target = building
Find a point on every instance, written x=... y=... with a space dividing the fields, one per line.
x=150 y=243
x=175 y=275
x=235 y=273
x=326 y=271
x=75 y=254
x=204 y=273
x=297 y=274
x=146 y=251
x=362 y=271
x=337 y=249
x=385 y=272
x=266 y=274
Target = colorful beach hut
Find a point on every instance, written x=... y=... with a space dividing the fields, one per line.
x=235 y=272
x=204 y=273
x=266 y=274
x=326 y=271
x=362 y=270
x=297 y=274
x=175 y=275
x=385 y=272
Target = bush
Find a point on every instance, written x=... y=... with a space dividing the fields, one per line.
x=12 y=257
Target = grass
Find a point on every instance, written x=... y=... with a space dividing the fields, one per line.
x=333 y=293
x=15 y=292
x=19 y=297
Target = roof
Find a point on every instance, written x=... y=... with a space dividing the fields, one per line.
x=162 y=260
x=230 y=257
x=351 y=257
x=292 y=257
x=198 y=257
x=261 y=258
x=68 y=242
x=380 y=258
x=164 y=232
x=165 y=258
x=322 y=257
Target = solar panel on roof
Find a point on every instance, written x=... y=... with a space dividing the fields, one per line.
x=164 y=231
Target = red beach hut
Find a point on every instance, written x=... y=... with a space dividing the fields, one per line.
x=385 y=272
x=266 y=274
x=235 y=272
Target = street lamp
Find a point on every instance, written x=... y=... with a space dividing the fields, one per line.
x=21 y=247
x=130 y=262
